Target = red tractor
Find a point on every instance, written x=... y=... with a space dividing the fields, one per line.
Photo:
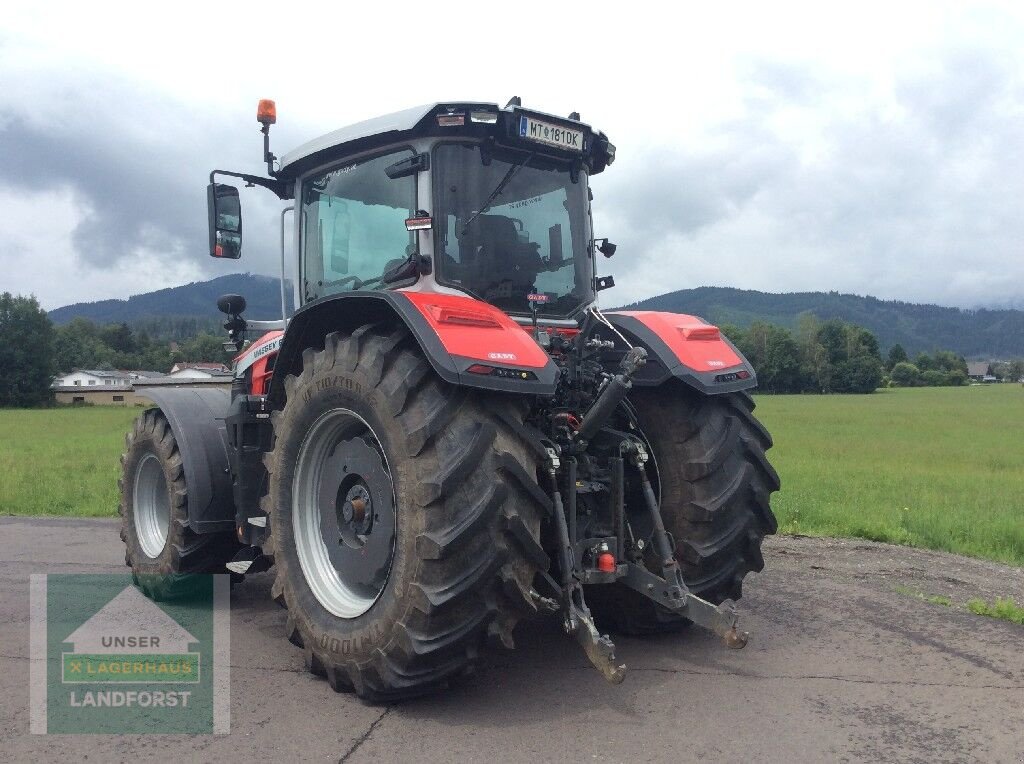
x=448 y=435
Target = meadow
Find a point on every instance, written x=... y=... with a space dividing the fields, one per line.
x=62 y=461
x=940 y=468
x=937 y=467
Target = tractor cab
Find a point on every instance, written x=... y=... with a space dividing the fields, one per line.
x=458 y=198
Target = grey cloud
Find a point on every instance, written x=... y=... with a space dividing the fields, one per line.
x=972 y=84
x=917 y=198
x=138 y=166
x=130 y=200
x=684 y=189
x=919 y=202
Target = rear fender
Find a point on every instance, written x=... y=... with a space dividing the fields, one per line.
x=196 y=416
x=454 y=332
x=685 y=347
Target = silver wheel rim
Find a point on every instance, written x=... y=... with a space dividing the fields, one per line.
x=342 y=457
x=151 y=505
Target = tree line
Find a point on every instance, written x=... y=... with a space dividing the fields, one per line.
x=81 y=344
x=818 y=357
x=33 y=350
x=839 y=357
x=942 y=369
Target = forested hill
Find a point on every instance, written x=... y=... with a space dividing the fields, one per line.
x=971 y=333
x=182 y=311
x=193 y=301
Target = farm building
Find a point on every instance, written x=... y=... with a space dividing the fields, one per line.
x=98 y=395
x=94 y=378
x=113 y=387
x=101 y=387
x=97 y=386
x=122 y=390
x=977 y=370
x=102 y=377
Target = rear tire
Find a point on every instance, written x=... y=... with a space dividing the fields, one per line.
x=467 y=517
x=715 y=488
x=161 y=549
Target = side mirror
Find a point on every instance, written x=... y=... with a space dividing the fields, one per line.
x=225 y=221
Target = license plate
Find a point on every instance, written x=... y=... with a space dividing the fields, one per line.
x=552 y=135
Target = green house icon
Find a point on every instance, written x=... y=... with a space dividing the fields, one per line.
x=130 y=639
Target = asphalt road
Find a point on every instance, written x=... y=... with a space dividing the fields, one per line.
x=840 y=667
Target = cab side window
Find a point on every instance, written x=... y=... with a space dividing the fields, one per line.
x=353 y=225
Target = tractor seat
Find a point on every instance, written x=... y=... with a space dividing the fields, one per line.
x=492 y=248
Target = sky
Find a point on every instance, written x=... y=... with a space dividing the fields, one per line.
x=859 y=147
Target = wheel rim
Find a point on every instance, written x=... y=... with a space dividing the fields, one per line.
x=151 y=505
x=343 y=513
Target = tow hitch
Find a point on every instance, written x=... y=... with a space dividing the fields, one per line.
x=668 y=590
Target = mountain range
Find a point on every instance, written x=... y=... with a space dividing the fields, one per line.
x=978 y=334
x=196 y=300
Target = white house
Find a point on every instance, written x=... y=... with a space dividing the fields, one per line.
x=94 y=378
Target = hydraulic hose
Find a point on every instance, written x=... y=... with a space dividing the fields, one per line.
x=611 y=395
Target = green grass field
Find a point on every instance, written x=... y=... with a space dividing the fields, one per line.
x=63 y=461
x=941 y=468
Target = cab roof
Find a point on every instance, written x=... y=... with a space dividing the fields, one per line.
x=363 y=135
x=381 y=131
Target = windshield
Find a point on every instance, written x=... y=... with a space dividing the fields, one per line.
x=513 y=232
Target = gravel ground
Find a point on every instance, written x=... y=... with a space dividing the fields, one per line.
x=841 y=667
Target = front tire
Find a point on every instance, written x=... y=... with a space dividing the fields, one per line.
x=461 y=549
x=715 y=488
x=161 y=549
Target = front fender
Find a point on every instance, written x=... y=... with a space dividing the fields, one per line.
x=687 y=348
x=196 y=413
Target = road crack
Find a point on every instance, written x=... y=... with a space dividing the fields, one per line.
x=364 y=737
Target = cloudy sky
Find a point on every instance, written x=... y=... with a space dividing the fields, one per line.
x=868 y=148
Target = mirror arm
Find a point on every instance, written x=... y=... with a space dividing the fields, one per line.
x=283 y=189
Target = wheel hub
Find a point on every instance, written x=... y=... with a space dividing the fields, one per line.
x=357 y=510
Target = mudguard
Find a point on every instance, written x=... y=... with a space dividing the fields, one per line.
x=466 y=341
x=196 y=415
x=685 y=347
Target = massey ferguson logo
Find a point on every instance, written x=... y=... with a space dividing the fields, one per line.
x=502 y=356
x=262 y=350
